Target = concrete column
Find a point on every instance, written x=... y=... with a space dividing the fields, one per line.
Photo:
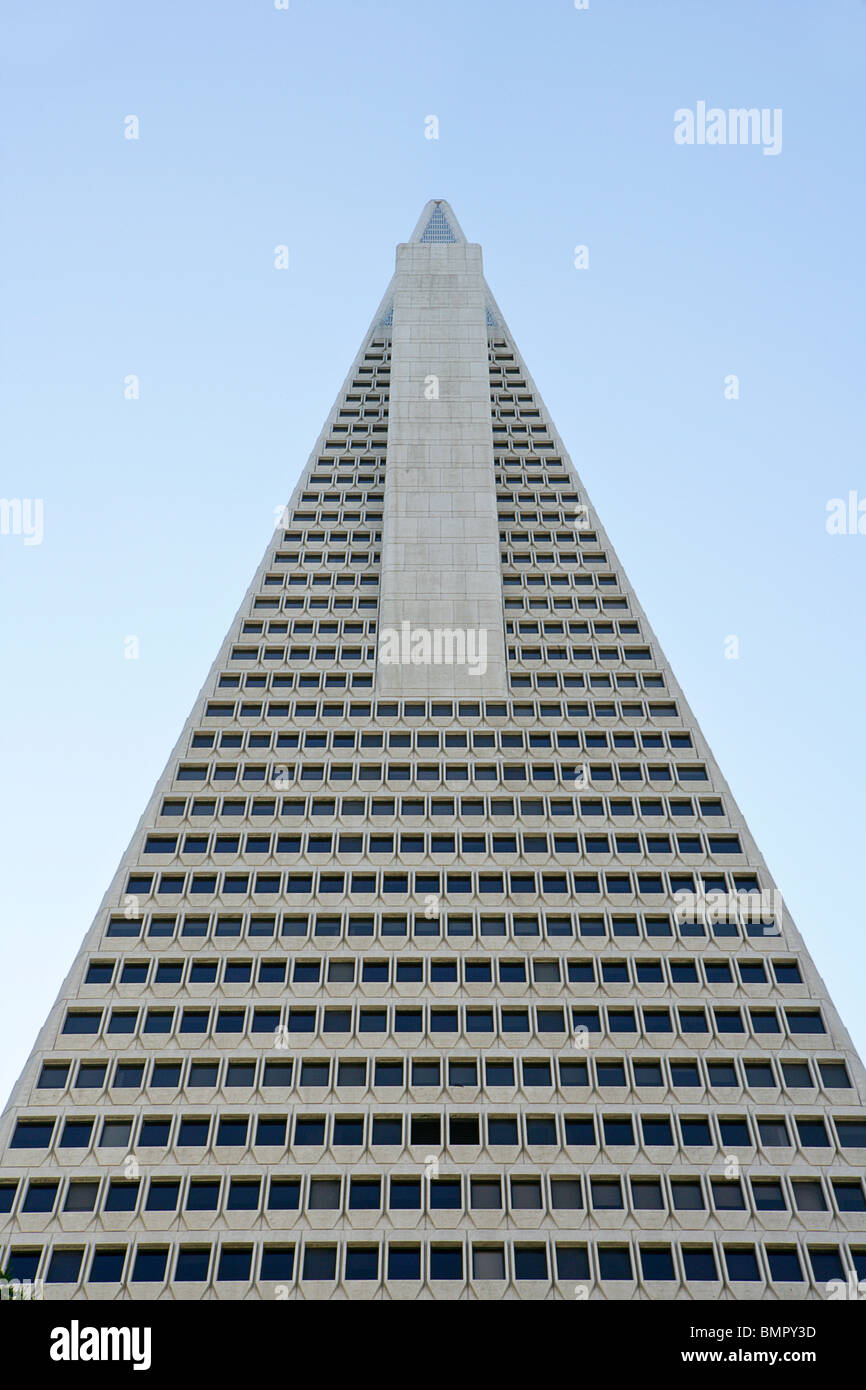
x=441 y=629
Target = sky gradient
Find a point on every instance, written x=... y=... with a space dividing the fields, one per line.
x=305 y=127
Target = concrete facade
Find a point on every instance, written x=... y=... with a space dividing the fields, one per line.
x=414 y=983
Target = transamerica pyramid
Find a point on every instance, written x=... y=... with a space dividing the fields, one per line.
x=442 y=963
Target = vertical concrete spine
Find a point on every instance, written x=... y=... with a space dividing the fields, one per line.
x=440 y=554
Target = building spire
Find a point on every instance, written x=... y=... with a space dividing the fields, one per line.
x=437 y=223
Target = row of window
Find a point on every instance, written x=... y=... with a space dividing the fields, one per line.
x=630 y=710
x=519 y=709
x=315 y=534
x=464 y=1130
x=571 y=681
x=419 y=883
x=358 y=555
x=525 y=603
x=504 y=739
x=306 y=970
x=525 y=462
x=527 y=552
x=531 y=809
x=417 y=1020
x=329 y=627
x=535 y=602
x=428 y=1192
x=531 y=502
x=342 y=582
x=327 y=652
x=569 y=847
x=315 y=606
x=542 y=473
x=437 y=710
x=552 y=628
x=322 y=1262
x=560 y=509
x=521 y=544
x=626 y=710
x=596 y=775
x=508 y=423
x=542 y=528
x=643 y=1073
x=362 y=471
x=367 y=510
x=552 y=656
x=555 y=580
x=392 y=929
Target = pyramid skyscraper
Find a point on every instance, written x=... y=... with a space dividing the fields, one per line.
x=442 y=962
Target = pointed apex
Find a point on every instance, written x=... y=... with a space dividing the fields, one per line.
x=437 y=223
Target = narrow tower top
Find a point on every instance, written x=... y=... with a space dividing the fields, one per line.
x=437 y=223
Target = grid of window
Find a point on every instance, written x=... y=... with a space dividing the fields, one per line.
x=510 y=967
x=656 y=1266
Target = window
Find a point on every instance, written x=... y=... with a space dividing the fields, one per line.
x=849 y=1195
x=362 y=1262
x=784 y=1265
x=122 y=1196
x=404 y=1262
x=150 y=1265
x=687 y=1194
x=193 y=1133
x=445 y=1194
x=192 y=1264
x=486 y=1194
x=530 y=1262
x=278 y=1262
x=809 y=1194
x=488 y=1262
x=243 y=1194
x=699 y=1264
x=646 y=1194
x=162 y=1195
x=106 y=1267
x=606 y=1194
x=767 y=1194
x=826 y=1264
x=81 y=1196
x=446 y=1262
x=656 y=1262
x=614 y=1262
x=364 y=1194
x=203 y=1194
x=40 y=1197
x=64 y=1267
x=727 y=1195
x=324 y=1194
x=742 y=1264
x=235 y=1263
x=309 y=1131
x=404 y=1194
x=526 y=1194
x=284 y=1194
x=852 y=1133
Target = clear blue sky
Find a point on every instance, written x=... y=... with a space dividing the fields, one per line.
x=154 y=257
